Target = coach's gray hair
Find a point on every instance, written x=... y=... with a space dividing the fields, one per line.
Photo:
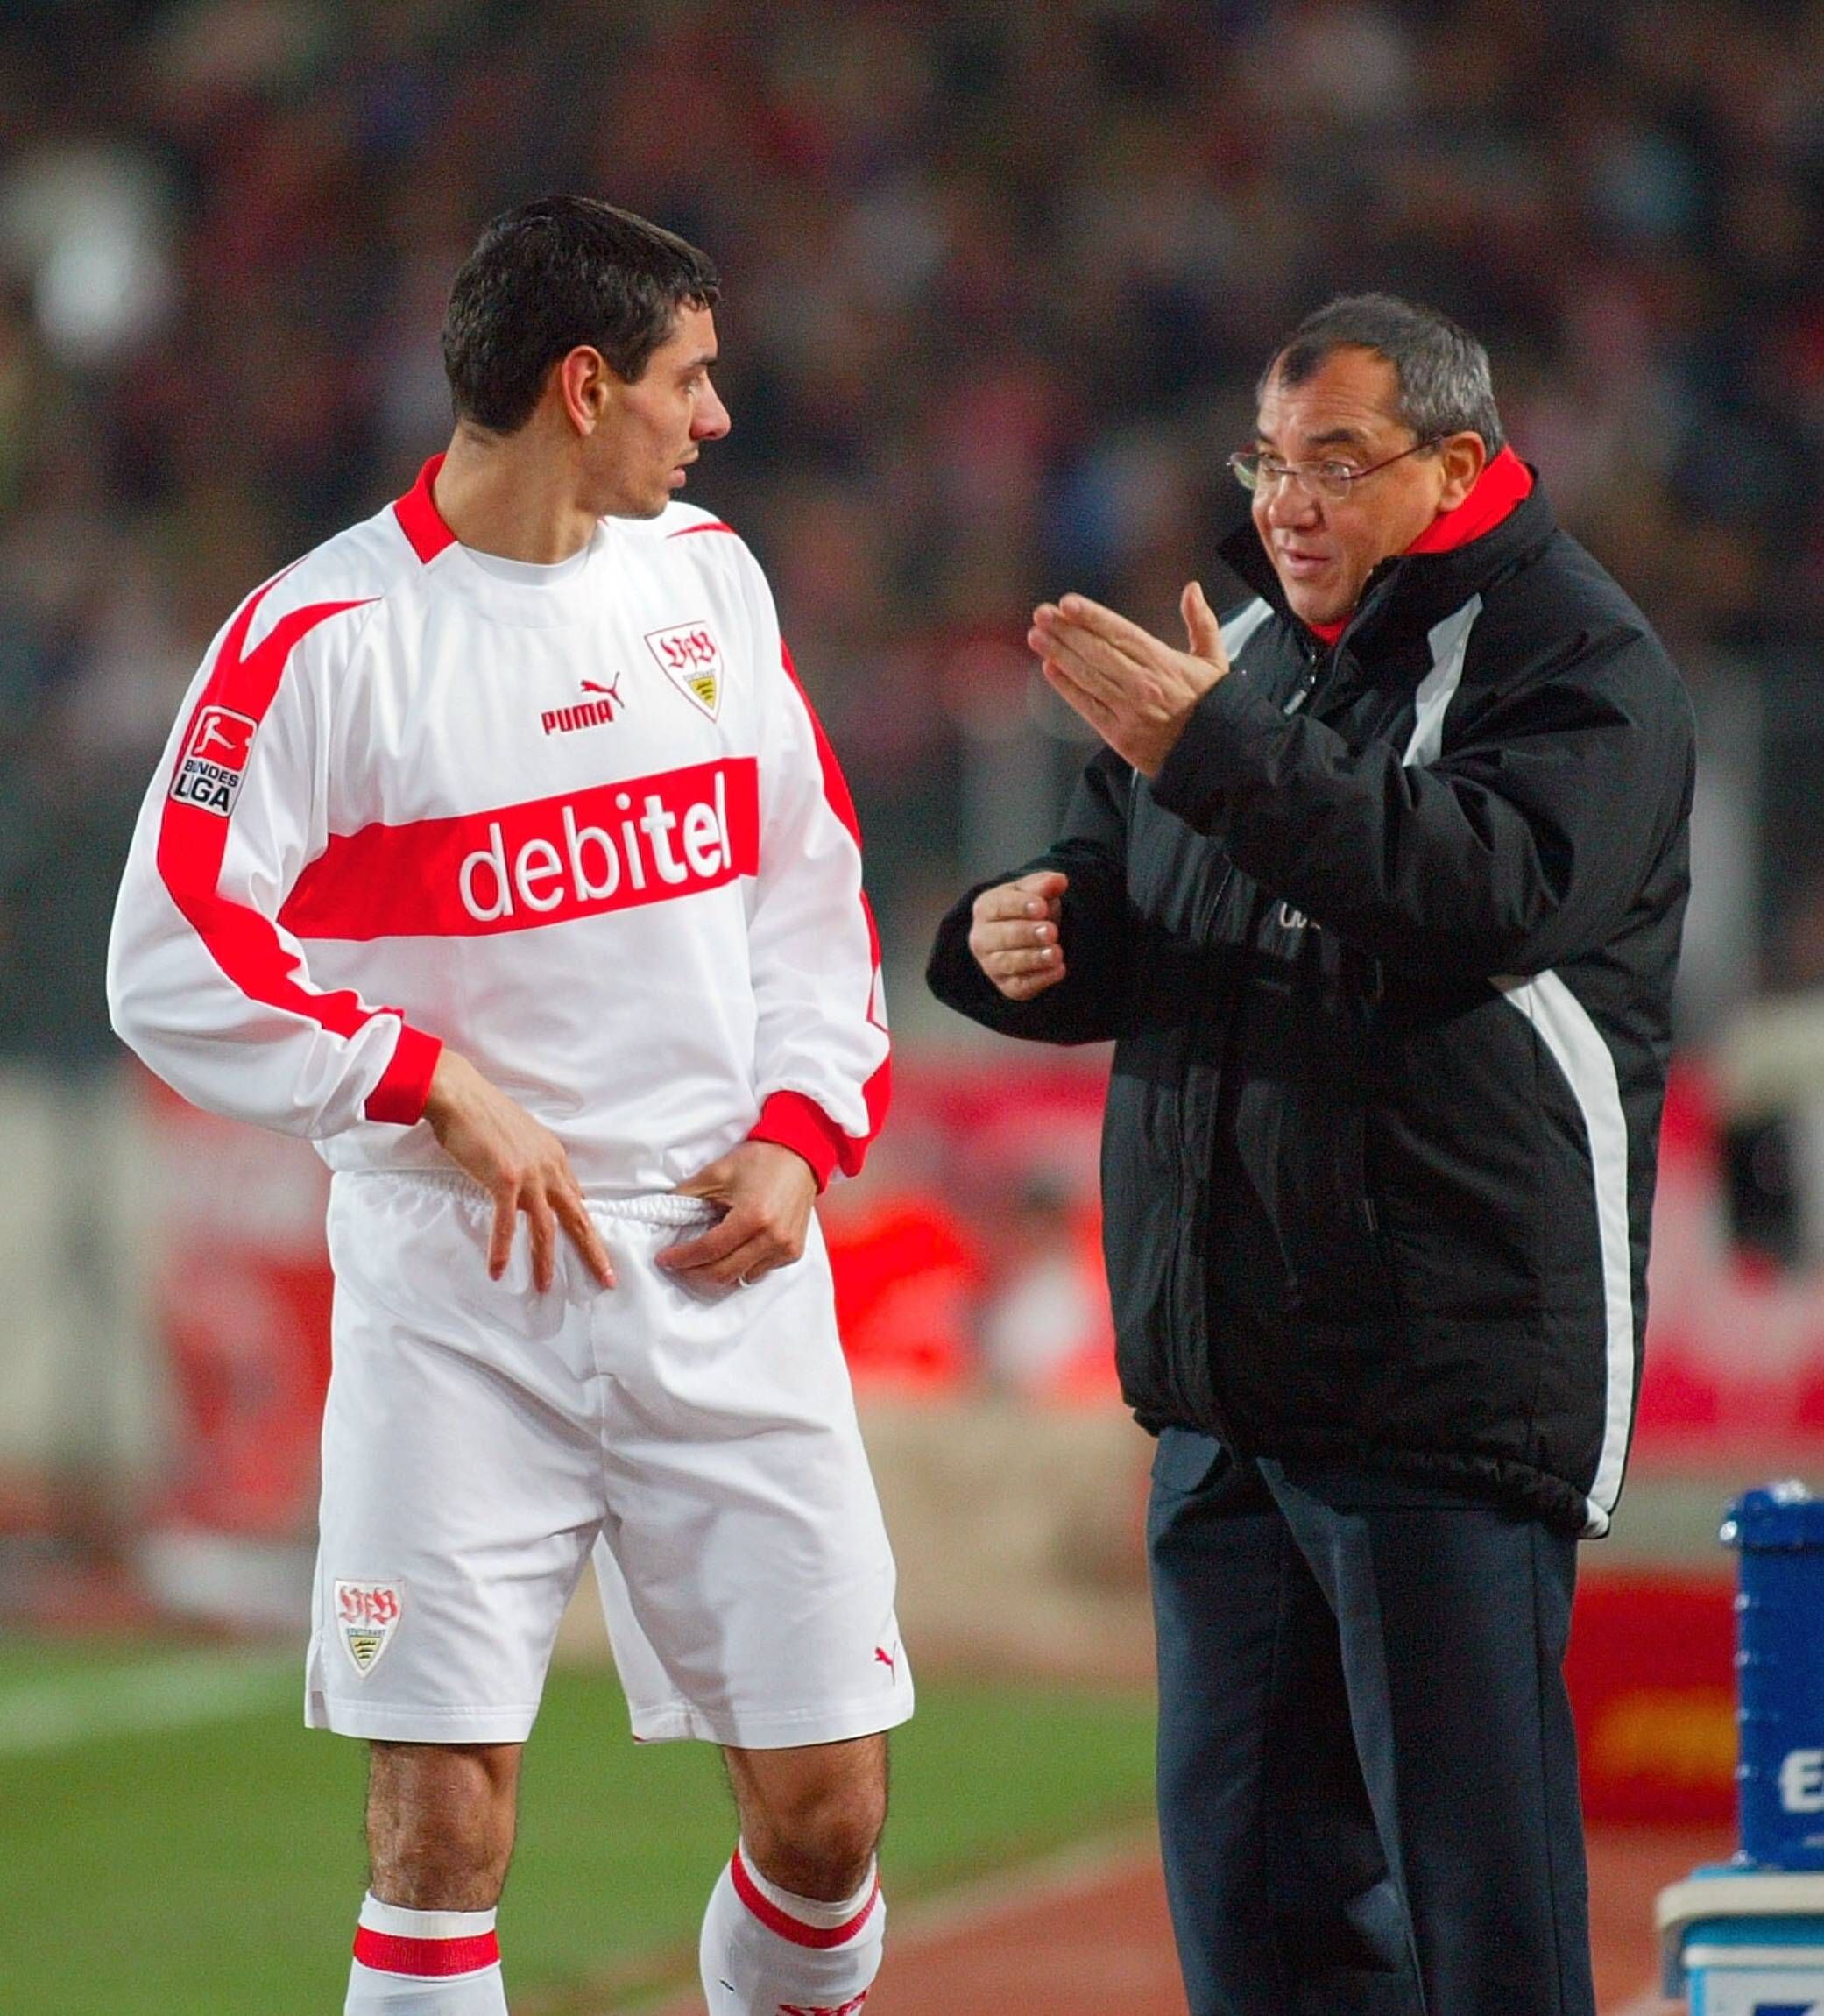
x=1441 y=371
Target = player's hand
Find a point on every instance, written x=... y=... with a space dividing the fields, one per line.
x=1014 y=934
x=768 y=1192
x=519 y=1163
x=1135 y=691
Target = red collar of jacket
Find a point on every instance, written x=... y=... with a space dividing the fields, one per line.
x=1503 y=482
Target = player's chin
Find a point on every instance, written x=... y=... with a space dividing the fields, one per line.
x=655 y=504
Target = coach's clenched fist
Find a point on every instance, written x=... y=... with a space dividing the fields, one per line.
x=1014 y=936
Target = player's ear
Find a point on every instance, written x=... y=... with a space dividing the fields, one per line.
x=581 y=381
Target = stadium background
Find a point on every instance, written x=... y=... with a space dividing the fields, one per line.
x=998 y=283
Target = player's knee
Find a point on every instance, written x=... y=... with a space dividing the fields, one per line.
x=440 y=1824
x=820 y=1842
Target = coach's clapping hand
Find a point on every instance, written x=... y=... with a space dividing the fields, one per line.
x=1014 y=934
x=519 y=1163
x=766 y=1192
x=1136 y=692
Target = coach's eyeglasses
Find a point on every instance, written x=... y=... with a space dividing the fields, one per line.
x=1256 y=470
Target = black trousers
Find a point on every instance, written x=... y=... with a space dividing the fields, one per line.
x=1368 y=1777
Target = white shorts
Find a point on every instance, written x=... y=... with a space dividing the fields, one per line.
x=481 y=1441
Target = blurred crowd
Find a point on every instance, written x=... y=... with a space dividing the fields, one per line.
x=998 y=284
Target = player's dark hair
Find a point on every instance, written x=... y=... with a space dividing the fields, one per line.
x=1441 y=371
x=553 y=274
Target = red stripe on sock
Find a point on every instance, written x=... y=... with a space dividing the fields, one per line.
x=388 y=1954
x=787 y=1926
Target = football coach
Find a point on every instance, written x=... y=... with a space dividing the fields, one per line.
x=1377 y=888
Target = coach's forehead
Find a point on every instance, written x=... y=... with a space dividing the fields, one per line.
x=1351 y=399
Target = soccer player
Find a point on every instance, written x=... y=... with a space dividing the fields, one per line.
x=497 y=850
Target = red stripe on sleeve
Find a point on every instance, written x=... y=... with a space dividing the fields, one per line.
x=709 y=524
x=799 y=1123
x=795 y=1929
x=405 y=1085
x=429 y=1958
x=193 y=839
x=845 y=1151
x=419 y=518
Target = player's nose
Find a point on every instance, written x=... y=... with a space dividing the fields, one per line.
x=712 y=420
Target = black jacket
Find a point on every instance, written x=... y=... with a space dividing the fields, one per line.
x=1386 y=950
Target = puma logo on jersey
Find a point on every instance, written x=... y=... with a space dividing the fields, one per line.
x=586 y=713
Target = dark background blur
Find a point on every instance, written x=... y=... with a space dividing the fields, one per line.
x=999 y=282
x=998 y=285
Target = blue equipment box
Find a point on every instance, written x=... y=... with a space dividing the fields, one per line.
x=1745 y=1944
x=1779 y=1671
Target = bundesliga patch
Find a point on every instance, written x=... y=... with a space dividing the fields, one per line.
x=367 y=1615
x=209 y=771
x=691 y=658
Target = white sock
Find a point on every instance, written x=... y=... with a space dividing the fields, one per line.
x=764 y=1952
x=424 y=1963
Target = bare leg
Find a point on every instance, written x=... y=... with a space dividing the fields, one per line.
x=440 y=1824
x=811 y=1817
x=796 y=1920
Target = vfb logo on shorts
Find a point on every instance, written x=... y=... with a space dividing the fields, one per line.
x=209 y=775
x=367 y=1615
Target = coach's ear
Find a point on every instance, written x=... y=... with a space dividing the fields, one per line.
x=1186 y=1459
x=1462 y=458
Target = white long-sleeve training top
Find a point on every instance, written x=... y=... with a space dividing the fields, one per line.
x=579 y=823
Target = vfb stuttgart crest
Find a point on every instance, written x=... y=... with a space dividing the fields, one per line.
x=691 y=658
x=208 y=772
x=367 y=1615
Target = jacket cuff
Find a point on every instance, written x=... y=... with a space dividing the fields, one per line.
x=793 y=1122
x=1226 y=747
x=405 y=1084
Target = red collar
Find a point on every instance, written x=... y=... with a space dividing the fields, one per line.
x=419 y=518
x=1503 y=482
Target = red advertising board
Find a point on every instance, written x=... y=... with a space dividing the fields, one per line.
x=242 y=1294
x=1652 y=1681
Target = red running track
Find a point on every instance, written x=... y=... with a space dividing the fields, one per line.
x=1091 y=1937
